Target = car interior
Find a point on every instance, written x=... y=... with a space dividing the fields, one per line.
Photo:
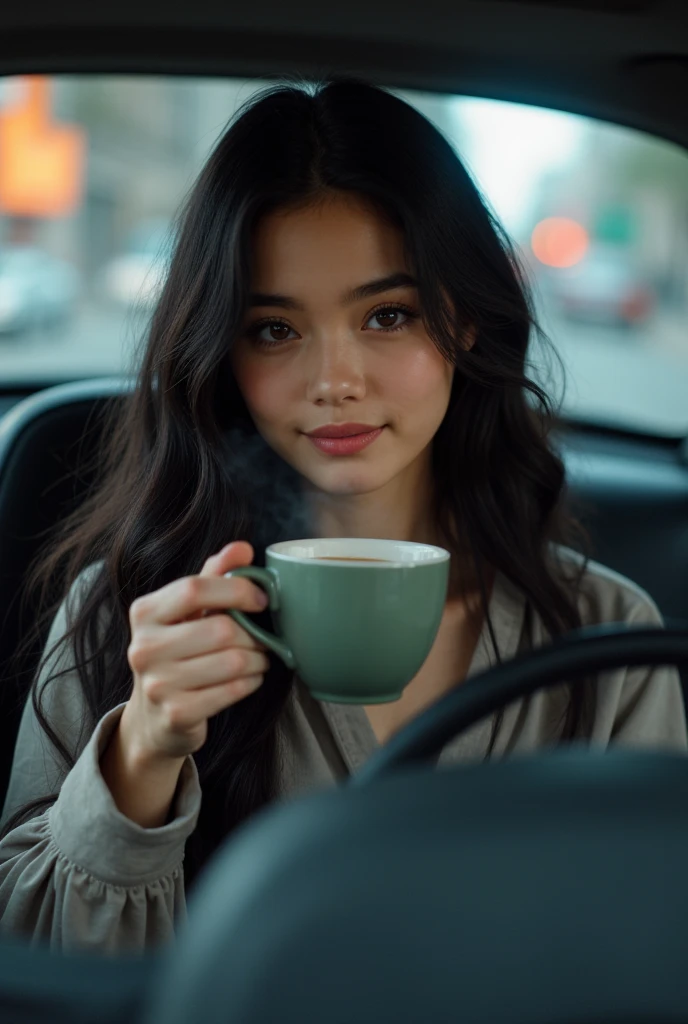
x=551 y=888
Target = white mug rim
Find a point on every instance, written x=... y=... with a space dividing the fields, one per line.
x=430 y=554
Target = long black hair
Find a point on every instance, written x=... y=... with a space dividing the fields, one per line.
x=171 y=493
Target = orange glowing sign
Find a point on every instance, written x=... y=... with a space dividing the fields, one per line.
x=41 y=162
x=559 y=242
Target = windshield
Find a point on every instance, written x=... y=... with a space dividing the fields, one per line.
x=598 y=215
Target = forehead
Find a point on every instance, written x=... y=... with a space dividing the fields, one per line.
x=342 y=238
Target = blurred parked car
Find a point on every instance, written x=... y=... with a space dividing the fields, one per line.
x=36 y=290
x=136 y=276
x=604 y=288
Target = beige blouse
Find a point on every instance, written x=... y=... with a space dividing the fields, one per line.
x=82 y=876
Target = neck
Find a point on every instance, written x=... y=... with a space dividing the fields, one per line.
x=400 y=510
x=403 y=509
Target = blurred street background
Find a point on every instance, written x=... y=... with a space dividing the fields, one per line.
x=93 y=170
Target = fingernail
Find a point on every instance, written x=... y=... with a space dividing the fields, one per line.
x=263 y=599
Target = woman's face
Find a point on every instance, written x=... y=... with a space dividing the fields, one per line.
x=333 y=335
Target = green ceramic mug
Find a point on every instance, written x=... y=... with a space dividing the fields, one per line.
x=355 y=618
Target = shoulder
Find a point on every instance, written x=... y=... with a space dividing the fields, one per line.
x=68 y=610
x=639 y=706
x=81 y=587
x=604 y=595
x=58 y=684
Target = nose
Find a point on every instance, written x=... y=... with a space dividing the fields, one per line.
x=336 y=370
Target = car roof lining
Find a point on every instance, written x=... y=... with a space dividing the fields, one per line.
x=619 y=60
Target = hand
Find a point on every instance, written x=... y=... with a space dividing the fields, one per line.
x=188 y=663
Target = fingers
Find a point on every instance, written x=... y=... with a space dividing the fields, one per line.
x=180 y=600
x=209 y=670
x=208 y=701
x=192 y=639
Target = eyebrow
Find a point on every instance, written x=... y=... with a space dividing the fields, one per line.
x=362 y=291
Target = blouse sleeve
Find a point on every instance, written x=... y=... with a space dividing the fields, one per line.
x=80 y=875
x=643 y=707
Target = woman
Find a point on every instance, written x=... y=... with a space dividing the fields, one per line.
x=334 y=265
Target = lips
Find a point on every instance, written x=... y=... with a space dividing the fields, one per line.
x=343 y=430
x=347 y=444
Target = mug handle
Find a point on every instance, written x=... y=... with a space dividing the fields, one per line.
x=267 y=579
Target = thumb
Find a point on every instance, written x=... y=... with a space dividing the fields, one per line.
x=238 y=553
x=234 y=555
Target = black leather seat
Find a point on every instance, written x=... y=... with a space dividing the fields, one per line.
x=39 y=987
x=633 y=497
x=547 y=889
x=46 y=444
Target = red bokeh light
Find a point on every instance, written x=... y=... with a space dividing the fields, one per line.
x=559 y=241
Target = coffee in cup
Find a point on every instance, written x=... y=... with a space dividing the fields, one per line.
x=334 y=558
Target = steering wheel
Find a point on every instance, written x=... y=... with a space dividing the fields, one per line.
x=581 y=652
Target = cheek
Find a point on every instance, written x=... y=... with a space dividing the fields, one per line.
x=419 y=382
x=266 y=394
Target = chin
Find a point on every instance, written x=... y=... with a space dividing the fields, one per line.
x=349 y=483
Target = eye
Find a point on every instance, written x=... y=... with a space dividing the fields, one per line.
x=269 y=333
x=391 y=317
